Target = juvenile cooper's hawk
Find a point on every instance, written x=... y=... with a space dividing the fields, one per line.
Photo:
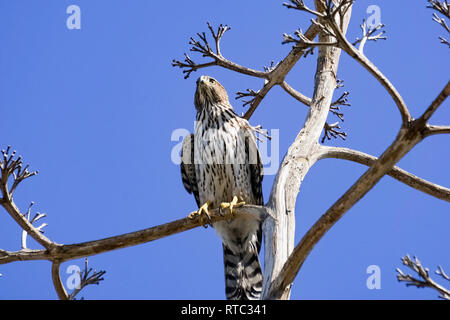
x=220 y=162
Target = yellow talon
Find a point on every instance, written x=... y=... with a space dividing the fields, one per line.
x=233 y=204
x=201 y=213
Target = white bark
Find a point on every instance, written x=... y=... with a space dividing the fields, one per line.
x=279 y=231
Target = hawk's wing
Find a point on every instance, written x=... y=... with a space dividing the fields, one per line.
x=188 y=167
x=256 y=175
x=255 y=165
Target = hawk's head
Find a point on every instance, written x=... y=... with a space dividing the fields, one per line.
x=209 y=91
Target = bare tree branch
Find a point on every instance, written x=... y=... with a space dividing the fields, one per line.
x=369 y=66
x=368 y=35
x=425 y=280
x=66 y=252
x=85 y=279
x=249 y=93
x=10 y=166
x=202 y=46
x=295 y=94
x=357 y=54
x=36 y=217
x=274 y=76
x=432 y=130
x=57 y=283
x=254 y=103
x=435 y=104
x=278 y=73
x=301 y=39
x=397 y=173
x=334 y=107
x=300 y=5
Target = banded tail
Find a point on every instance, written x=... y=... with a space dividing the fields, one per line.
x=243 y=276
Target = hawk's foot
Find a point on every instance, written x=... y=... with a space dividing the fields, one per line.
x=231 y=205
x=203 y=214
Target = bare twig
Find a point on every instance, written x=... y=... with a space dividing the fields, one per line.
x=368 y=35
x=424 y=280
x=201 y=45
x=341 y=101
x=87 y=279
x=300 y=5
x=435 y=104
x=332 y=130
x=442 y=273
x=254 y=103
x=271 y=67
x=441 y=21
x=444 y=41
x=301 y=39
x=10 y=166
x=249 y=93
x=295 y=94
x=218 y=35
x=277 y=75
x=334 y=107
x=432 y=130
x=339 y=83
x=443 y=8
x=190 y=66
x=36 y=217
x=57 y=283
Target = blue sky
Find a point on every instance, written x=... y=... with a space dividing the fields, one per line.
x=94 y=110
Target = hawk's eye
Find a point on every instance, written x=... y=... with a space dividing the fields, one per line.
x=212 y=80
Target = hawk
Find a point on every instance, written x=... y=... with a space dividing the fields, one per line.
x=220 y=163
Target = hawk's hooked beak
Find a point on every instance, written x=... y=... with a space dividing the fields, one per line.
x=202 y=80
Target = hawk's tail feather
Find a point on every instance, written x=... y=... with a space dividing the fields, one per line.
x=243 y=275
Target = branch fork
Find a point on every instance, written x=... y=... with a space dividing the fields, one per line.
x=368 y=35
x=301 y=39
